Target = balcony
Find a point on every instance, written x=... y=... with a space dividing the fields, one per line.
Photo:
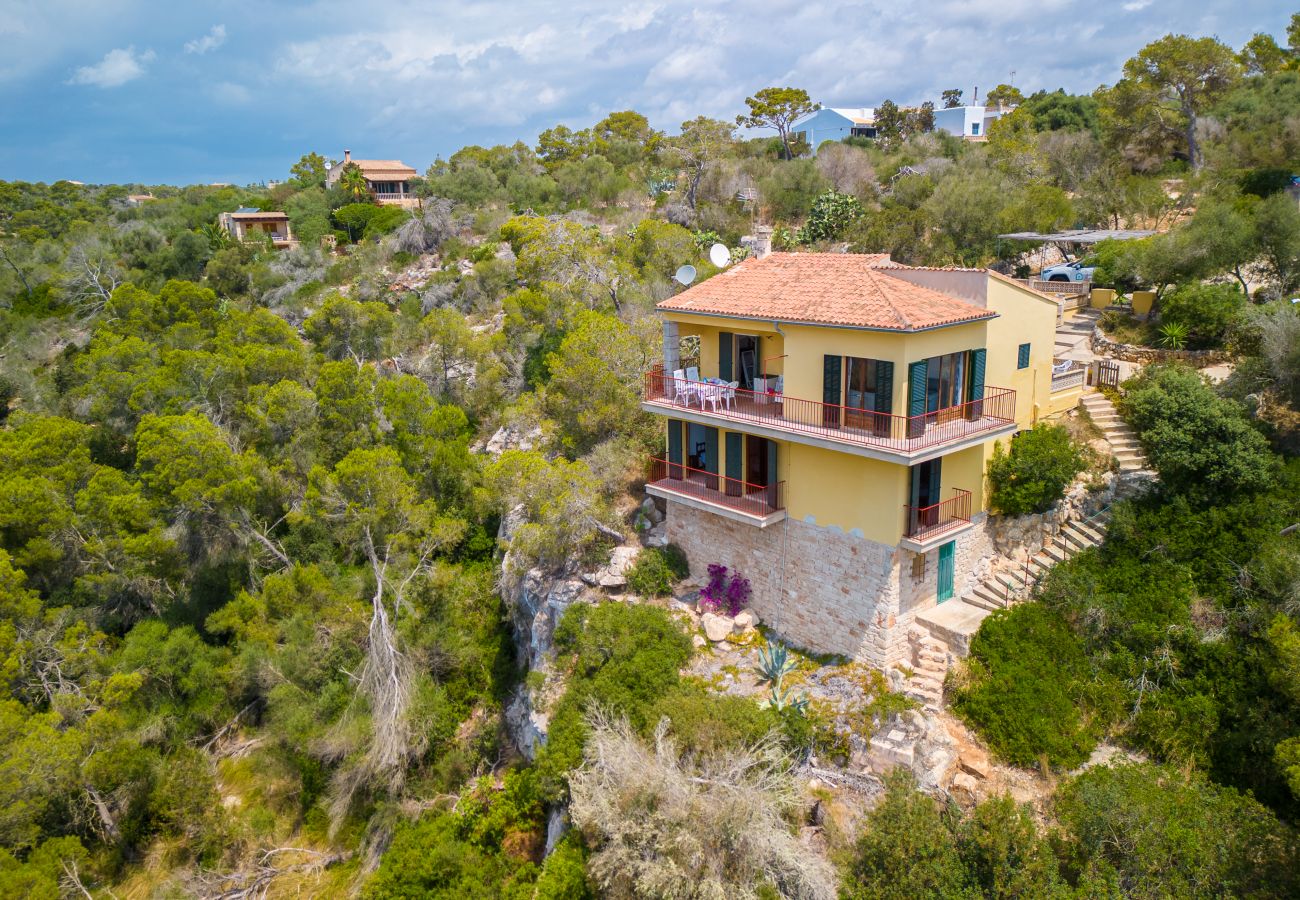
x=927 y=526
x=756 y=504
x=893 y=438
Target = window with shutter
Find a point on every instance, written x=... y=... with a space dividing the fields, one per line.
x=1022 y=358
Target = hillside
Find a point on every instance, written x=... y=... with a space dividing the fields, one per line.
x=304 y=549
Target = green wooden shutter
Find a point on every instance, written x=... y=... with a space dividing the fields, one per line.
x=674 y=448
x=917 y=375
x=726 y=340
x=773 y=477
x=883 y=422
x=832 y=379
x=1022 y=357
x=711 y=450
x=735 y=463
x=977 y=374
x=884 y=386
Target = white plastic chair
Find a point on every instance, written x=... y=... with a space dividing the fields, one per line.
x=681 y=389
x=729 y=393
x=712 y=393
x=693 y=373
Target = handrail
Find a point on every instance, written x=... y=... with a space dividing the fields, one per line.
x=924 y=521
x=996 y=409
x=755 y=499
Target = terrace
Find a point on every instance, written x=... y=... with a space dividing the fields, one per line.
x=755 y=504
x=893 y=438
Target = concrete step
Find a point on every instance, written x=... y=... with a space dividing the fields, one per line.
x=1055 y=553
x=1013 y=579
x=1090 y=530
x=990 y=594
x=1082 y=536
x=981 y=603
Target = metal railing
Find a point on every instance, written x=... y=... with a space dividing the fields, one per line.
x=885 y=431
x=930 y=521
x=755 y=499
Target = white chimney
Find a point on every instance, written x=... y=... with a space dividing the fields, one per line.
x=347 y=157
x=762 y=241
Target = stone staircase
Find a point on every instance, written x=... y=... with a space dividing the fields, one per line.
x=1123 y=442
x=1074 y=335
x=1001 y=589
x=929 y=667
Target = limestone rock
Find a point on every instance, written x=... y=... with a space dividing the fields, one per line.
x=716 y=627
x=650 y=510
x=963 y=787
x=615 y=573
x=975 y=762
x=745 y=621
x=698 y=642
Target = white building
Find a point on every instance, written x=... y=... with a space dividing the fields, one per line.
x=969 y=121
x=835 y=124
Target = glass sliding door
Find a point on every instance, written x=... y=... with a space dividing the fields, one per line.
x=946 y=381
x=868 y=390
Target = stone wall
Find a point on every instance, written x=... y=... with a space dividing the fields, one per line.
x=823 y=589
x=1104 y=346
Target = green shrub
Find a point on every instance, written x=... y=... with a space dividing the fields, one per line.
x=621 y=657
x=1026 y=667
x=707 y=724
x=1034 y=474
x=656 y=570
x=1169 y=836
x=1200 y=443
x=1207 y=312
x=905 y=850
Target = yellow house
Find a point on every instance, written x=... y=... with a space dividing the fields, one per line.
x=828 y=422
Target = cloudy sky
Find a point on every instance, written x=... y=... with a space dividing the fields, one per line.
x=236 y=90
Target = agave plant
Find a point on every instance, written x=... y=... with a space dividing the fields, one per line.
x=1173 y=335
x=774 y=663
x=781 y=699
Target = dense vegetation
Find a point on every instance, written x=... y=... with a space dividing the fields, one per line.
x=251 y=623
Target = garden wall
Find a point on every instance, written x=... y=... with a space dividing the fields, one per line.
x=1104 y=346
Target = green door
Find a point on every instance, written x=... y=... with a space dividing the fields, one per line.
x=946 y=570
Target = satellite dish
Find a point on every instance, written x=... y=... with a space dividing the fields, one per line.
x=719 y=255
x=685 y=275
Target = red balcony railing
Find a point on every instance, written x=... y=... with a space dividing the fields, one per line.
x=885 y=431
x=755 y=499
x=931 y=521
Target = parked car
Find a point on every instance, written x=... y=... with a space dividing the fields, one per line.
x=1071 y=271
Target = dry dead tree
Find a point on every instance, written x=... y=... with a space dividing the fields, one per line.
x=667 y=826
x=255 y=883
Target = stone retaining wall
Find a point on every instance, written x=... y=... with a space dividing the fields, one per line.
x=1104 y=346
x=823 y=589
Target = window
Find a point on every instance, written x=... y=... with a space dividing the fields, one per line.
x=918 y=567
x=1022 y=358
x=945 y=381
x=860 y=388
x=975 y=128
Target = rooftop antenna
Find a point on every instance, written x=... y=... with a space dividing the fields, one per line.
x=976 y=100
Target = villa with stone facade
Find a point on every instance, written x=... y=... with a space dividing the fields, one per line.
x=827 y=423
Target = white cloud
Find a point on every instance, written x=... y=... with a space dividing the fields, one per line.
x=1136 y=5
x=115 y=69
x=210 y=41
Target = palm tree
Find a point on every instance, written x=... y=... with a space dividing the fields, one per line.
x=354 y=182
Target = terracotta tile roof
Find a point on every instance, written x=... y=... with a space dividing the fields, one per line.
x=259 y=214
x=393 y=168
x=849 y=289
